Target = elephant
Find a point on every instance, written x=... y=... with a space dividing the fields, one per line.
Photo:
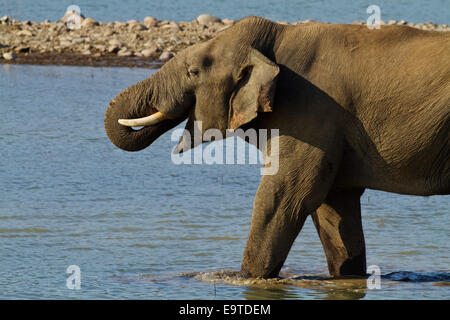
x=356 y=108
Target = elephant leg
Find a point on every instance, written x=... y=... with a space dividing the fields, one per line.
x=282 y=203
x=338 y=222
x=270 y=239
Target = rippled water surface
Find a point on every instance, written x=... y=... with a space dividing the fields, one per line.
x=139 y=226
x=343 y=11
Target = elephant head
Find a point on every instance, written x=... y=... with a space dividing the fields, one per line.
x=224 y=82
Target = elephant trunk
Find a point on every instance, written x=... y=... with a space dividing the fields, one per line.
x=159 y=104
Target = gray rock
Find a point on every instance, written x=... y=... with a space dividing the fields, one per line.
x=77 y=40
x=150 y=22
x=119 y=24
x=207 y=19
x=5 y=19
x=124 y=53
x=71 y=14
x=72 y=19
x=173 y=27
x=23 y=49
x=228 y=21
x=9 y=56
x=88 y=23
x=113 y=49
x=166 y=56
x=100 y=47
x=108 y=32
x=25 y=33
x=148 y=44
x=136 y=26
x=148 y=52
x=115 y=42
x=65 y=43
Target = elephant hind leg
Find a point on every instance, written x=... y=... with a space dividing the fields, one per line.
x=338 y=222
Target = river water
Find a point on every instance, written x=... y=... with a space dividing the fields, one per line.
x=343 y=11
x=139 y=226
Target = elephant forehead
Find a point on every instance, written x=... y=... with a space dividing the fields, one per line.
x=213 y=51
x=200 y=49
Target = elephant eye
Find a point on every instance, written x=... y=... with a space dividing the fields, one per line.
x=192 y=72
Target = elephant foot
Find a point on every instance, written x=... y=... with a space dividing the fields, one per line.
x=338 y=222
x=248 y=272
x=244 y=274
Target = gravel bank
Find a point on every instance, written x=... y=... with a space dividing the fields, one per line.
x=147 y=43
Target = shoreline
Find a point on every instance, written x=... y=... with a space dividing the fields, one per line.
x=143 y=44
x=74 y=59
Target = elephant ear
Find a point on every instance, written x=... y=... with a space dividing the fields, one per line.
x=256 y=90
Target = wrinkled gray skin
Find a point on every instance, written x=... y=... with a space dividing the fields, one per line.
x=356 y=109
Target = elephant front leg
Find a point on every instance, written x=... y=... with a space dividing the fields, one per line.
x=338 y=222
x=272 y=234
x=281 y=206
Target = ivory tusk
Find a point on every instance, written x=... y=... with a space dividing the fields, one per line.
x=146 y=121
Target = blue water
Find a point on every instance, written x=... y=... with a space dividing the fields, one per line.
x=139 y=226
x=344 y=11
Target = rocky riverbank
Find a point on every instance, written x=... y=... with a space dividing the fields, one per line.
x=84 y=41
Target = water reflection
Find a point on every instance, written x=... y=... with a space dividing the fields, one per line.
x=286 y=292
x=283 y=293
